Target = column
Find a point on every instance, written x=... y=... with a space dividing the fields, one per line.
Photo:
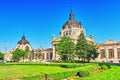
x=45 y=56
x=115 y=54
x=53 y=56
x=106 y=53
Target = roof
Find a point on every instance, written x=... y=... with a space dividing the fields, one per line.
x=23 y=41
x=71 y=22
x=109 y=43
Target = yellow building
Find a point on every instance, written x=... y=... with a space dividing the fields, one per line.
x=45 y=55
x=39 y=54
x=71 y=28
x=23 y=43
x=109 y=51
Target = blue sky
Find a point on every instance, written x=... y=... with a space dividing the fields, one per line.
x=40 y=19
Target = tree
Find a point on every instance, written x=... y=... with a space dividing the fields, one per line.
x=81 y=47
x=31 y=55
x=66 y=48
x=92 y=52
x=1 y=56
x=25 y=53
x=39 y=54
x=85 y=50
x=17 y=54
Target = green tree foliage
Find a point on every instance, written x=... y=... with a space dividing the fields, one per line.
x=21 y=54
x=85 y=50
x=1 y=56
x=25 y=54
x=66 y=48
x=39 y=54
x=31 y=55
x=17 y=54
x=92 y=52
x=81 y=47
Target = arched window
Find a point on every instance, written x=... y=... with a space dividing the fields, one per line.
x=102 y=53
x=111 y=53
x=66 y=33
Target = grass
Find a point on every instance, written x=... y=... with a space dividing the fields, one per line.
x=33 y=71
x=17 y=71
x=110 y=74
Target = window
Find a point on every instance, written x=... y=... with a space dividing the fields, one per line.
x=118 y=53
x=111 y=53
x=47 y=55
x=65 y=33
x=43 y=55
x=102 y=52
x=51 y=56
x=73 y=32
x=69 y=32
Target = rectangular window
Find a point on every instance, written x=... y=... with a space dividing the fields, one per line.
x=102 y=52
x=118 y=53
x=111 y=53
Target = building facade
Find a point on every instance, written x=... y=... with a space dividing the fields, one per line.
x=73 y=29
x=42 y=55
x=109 y=51
x=23 y=43
x=37 y=55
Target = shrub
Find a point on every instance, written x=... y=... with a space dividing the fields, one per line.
x=83 y=73
x=104 y=67
x=69 y=66
x=61 y=75
x=108 y=66
x=99 y=64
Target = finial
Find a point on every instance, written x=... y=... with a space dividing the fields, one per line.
x=23 y=37
x=71 y=16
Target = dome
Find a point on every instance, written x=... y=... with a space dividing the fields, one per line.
x=23 y=41
x=71 y=22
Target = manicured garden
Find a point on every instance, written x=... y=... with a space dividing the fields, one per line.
x=111 y=74
x=58 y=71
x=38 y=70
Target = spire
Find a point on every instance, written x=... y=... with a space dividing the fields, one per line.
x=71 y=16
x=23 y=37
x=23 y=33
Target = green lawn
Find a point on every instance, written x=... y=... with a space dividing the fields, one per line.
x=13 y=71
x=31 y=71
x=110 y=74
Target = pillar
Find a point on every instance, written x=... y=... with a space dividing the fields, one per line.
x=115 y=54
x=53 y=56
x=106 y=53
x=45 y=56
